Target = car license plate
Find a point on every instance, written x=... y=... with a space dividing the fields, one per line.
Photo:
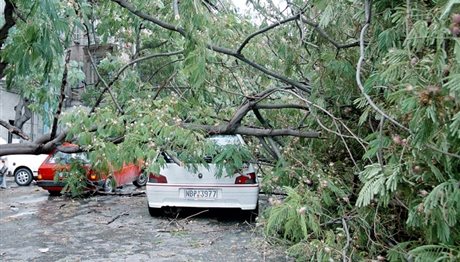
x=200 y=194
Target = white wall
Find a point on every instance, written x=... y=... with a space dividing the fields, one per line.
x=7 y=102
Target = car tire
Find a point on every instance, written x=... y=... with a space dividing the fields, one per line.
x=109 y=185
x=23 y=176
x=141 y=180
x=250 y=215
x=155 y=212
x=54 y=193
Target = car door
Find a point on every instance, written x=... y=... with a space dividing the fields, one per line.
x=127 y=174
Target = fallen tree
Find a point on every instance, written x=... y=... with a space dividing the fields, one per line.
x=357 y=116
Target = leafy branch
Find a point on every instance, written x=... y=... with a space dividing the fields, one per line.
x=61 y=97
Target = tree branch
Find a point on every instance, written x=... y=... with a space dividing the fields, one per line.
x=250 y=131
x=345 y=258
x=239 y=115
x=275 y=154
x=263 y=30
x=43 y=145
x=150 y=18
x=246 y=107
x=164 y=85
x=9 y=21
x=284 y=79
x=368 y=12
x=140 y=60
x=62 y=97
x=270 y=140
x=160 y=68
x=14 y=130
x=353 y=135
x=326 y=36
x=212 y=47
x=106 y=88
x=359 y=66
x=176 y=9
x=117 y=76
x=21 y=118
x=280 y=106
x=18 y=148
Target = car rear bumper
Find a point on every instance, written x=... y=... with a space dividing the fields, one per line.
x=244 y=197
x=50 y=183
x=54 y=185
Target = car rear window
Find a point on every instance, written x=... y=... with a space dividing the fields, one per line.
x=60 y=157
x=222 y=140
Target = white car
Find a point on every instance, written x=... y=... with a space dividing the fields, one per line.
x=24 y=167
x=178 y=186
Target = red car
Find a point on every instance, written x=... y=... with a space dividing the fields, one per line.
x=58 y=162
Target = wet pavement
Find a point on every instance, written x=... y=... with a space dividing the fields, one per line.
x=38 y=227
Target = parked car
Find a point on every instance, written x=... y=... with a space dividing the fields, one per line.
x=51 y=176
x=24 y=168
x=178 y=186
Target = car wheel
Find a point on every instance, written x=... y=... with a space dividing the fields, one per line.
x=141 y=180
x=250 y=215
x=23 y=176
x=54 y=193
x=109 y=184
x=155 y=212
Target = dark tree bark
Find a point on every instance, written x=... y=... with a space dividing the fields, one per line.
x=9 y=23
x=14 y=130
x=61 y=98
x=23 y=113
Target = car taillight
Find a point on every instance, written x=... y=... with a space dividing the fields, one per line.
x=157 y=179
x=249 y=178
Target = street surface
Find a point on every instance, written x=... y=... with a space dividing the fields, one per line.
x=37 y=227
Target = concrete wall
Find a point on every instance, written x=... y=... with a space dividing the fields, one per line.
x=7 y=102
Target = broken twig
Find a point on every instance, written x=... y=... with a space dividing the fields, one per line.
x=201 y=212
x=117 y=217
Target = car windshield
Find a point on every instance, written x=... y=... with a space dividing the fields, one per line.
x=60 y=157
x=218 y=143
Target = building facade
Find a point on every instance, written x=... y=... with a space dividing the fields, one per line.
x=8 y=100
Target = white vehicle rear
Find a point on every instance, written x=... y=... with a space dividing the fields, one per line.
x=178 y=186
x=24 y=167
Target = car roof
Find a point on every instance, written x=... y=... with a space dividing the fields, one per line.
x=223 y=140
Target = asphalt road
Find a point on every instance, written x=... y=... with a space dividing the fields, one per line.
x=37 y=227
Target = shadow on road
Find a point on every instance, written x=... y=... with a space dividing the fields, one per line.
x=229 y=215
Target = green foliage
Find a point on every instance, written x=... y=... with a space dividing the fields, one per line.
x=43 y=38
x=299 y=218
x=435 y=253
x=367 y=186
x=378 y=182
x=438 y=213
x=295 y=219
x=232 y=158
x=73 y=176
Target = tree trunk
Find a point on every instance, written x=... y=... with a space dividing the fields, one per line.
x=22 y=116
